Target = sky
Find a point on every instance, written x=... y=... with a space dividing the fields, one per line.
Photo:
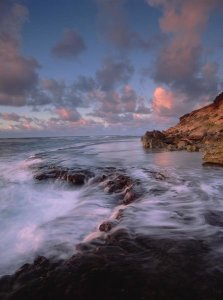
x=100 y=67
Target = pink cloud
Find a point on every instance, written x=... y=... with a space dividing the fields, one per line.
x=10 y=117
x=68 y=115
x=18 y=74
x=185 y=20
x=179 y=64
x=167 y=103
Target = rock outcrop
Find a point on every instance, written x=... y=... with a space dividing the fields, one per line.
x=154 y=140
x=119 y=266
x=202 y=129
x=200 y=123
x=214 y=153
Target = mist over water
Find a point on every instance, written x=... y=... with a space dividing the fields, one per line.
x=51 y=218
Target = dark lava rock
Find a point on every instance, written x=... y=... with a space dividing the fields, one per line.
x=106 y=226
x=116 y=183
x=119 y=214
x=127 y=188
x=129 y=196
x=74 y=177
x=124 y=267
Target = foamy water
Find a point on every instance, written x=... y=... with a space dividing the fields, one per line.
x=46 y=218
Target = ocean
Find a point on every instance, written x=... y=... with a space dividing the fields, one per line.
x=52 y=217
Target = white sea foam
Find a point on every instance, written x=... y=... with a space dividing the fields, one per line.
x=46 y=218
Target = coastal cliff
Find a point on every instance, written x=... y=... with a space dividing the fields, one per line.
x=202 y=129
x=207 y=120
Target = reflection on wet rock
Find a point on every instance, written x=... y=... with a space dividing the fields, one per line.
x=75 y=177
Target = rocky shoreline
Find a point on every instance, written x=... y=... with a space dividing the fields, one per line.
x=201 y=130
x=121 y=266
x=115 y=263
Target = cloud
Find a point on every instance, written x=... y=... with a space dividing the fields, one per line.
x=113 y=73
x=61 y=124
x=166 y=103
x=85 y=84
x=54 y=87
x=142 y=109
x=116 y=29
x=57 y=94
x=179 y=64
x=10 y=117
x=71 y=45
x=117 y=106
x=12 y=17
x=18 y=74
x=185 y=20
x=68 y=115
x=117 y=102
x=14 y=117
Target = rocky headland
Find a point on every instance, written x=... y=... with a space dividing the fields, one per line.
x=200 y=130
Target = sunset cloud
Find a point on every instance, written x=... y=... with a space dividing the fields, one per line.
x=185 y=20
x=68 y=115
x=10 y=117
x=143 y=63
x=168 y=104
x=179 y=63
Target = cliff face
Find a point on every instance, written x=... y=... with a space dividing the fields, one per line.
x=204 y=121
x=202 y=129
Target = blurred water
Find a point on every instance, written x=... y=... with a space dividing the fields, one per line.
x=51 y=218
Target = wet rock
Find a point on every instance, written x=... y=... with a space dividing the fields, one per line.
x=129 y=196
x=119 y=214
x=116 y=183
x=126 y=188
x=106 y=226
x=125 y=267
x=74 y=177
x=77 y=179
x=159 y=176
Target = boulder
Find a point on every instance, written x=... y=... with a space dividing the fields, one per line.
x=214 y=153
x=106 y=226
x=74 y=177
x=154 y=140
